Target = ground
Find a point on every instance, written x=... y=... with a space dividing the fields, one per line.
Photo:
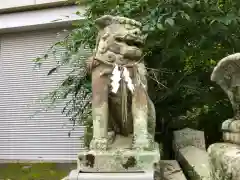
x=39 y=171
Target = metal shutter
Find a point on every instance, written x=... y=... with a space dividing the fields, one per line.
x=23 y=137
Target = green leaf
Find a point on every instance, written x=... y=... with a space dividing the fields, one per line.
x=186 y=16
x=160 y=27
x=37 y=60
x=145 y=27
x=169 y=21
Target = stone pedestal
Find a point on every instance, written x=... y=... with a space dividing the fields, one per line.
x=120 y=157
x=225 y=161
x=118 y=162
x=224 y=157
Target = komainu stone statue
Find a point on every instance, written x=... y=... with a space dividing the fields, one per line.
x=123 y=114
x=224 y=156
x=227 y=75
x=120 y=102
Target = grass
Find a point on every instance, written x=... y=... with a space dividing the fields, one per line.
x=35 y=171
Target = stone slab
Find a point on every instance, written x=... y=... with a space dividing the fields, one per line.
x=225 y=161
x=195 y=163
x=112 y=176
x=188 y=137
x=118 y=160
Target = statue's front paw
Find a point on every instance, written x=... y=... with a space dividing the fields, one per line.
x=144 y=143
x=99 y=144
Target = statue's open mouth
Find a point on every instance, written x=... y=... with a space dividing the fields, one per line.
x=130 y=41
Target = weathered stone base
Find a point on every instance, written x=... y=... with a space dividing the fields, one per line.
x=225 y=161
x=76 y=175
x=118 y=160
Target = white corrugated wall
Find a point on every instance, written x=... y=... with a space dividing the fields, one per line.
x=45 y=135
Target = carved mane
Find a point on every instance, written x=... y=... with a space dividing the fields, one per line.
x=227 y=74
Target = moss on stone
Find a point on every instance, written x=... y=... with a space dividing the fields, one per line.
x=35 y=171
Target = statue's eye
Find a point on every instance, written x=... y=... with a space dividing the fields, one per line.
x=119 y=39
x=129 y=42
x=133 y=43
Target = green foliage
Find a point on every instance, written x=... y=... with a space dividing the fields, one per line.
x=185 y=41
